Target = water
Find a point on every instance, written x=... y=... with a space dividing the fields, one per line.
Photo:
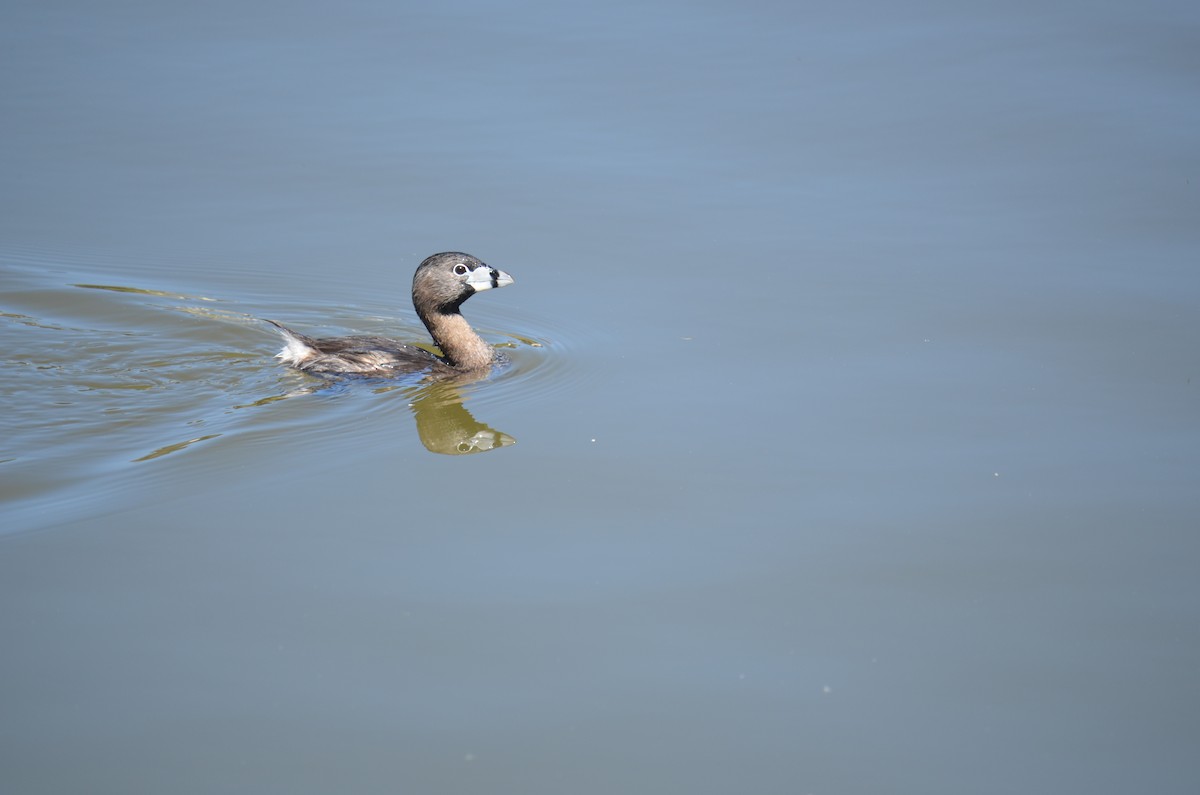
x=849 y=442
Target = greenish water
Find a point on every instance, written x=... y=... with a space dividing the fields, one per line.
x=849 y=442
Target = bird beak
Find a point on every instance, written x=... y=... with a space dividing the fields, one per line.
x=486 y=278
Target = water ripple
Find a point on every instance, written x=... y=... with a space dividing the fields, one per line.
x=111 y=366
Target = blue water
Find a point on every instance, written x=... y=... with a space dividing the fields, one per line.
x=850 y=437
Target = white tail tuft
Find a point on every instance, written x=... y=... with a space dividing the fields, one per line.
x=295 y=350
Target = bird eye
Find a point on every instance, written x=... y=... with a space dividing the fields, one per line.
x=460 y=269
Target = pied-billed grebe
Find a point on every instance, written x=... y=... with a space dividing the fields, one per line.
x=440 y=286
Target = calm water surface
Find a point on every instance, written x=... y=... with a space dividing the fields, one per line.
x=849 y=442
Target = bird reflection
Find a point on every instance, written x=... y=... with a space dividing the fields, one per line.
x=443 y=423
x=445 y=426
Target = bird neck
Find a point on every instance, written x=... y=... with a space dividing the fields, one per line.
x=460 y=345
